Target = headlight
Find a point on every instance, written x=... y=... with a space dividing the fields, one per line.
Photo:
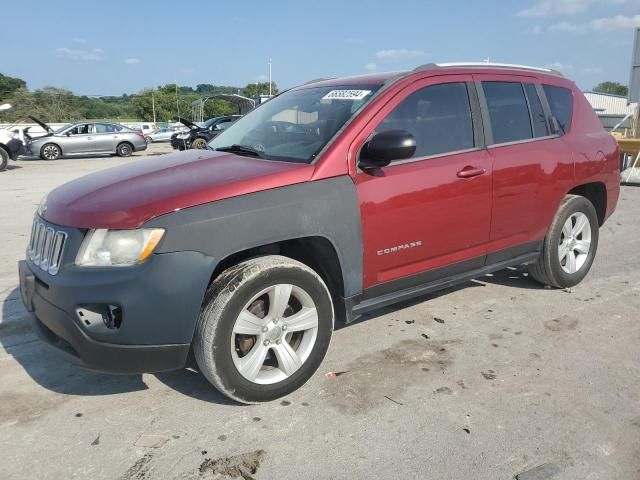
x=102 y=248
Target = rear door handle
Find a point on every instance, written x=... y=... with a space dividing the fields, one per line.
x=468 y=172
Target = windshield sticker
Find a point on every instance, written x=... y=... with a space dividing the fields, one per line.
x=346 y=94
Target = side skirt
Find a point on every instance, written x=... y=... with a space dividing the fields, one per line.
x=358 y=305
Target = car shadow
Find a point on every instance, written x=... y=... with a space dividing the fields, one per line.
x=54 y=373
x=45 y=367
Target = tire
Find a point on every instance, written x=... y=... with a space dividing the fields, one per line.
x=199 y=144
x=4 y=159
x=124 y=149
x=148 y=139
x=570 y=246
x=223 y=352
x=50 y=151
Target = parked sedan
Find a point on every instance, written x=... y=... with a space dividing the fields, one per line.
x=161 y=135
x=84 y=138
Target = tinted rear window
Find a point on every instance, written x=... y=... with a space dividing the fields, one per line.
x=508 y=111
x=538 y=118
x=561 y=103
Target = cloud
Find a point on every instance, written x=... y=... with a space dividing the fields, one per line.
x=371 y=67
x=398 y=54
x=610 y=24
x=564 y=68
x=94 y=54
x=78 y=40
x=131 y=61
x=545 y=8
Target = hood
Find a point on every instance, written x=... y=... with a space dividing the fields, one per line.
x=129 y=195
x=46 y=127
x=187 y=123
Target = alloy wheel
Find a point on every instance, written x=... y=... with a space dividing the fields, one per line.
x=274 y=334
x=575 y=242
x=50 y=152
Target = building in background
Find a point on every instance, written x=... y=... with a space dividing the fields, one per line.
x=611 y=109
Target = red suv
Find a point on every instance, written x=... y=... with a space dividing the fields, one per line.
x=332 y=199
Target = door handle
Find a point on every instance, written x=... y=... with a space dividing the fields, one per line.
x=469 y=172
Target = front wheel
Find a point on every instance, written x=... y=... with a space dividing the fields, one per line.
x=264 y=328
x=50 y=151
x=199 y=144
x=570 y=246
x=148 y=139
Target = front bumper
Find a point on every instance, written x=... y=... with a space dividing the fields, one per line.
x=181 y=143
x=159 y=300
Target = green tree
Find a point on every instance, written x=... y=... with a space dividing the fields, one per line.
x=613 y=88
x=255 y=89
x=8 y=85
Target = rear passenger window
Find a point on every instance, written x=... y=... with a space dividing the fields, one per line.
x=538 y=118
x=439 y=118
x=561 y=103
x=508 y=111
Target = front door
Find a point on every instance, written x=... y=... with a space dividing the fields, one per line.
x=427 y=217
x=79 y=139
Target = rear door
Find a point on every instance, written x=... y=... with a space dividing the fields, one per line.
x=531 y=166
x=427 y=217
x=106 y=137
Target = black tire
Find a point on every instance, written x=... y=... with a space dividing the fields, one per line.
x=124 y=149
x=227 y=297
x=199 y=144
x=50 y=151
x=148 y=139
x=4 y=159
x=548 y=269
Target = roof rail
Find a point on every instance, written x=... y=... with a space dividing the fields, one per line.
x=316 y=80
x=434 y=66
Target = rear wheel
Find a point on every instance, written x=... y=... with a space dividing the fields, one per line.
x=199 y=143
x=148 y=139
x=264 y=328
x=50 y=151
x=124 y=149
x=570 y=246
x=4 y=159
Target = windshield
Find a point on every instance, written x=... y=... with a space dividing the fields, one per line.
x=296 y=125
x=62 y=128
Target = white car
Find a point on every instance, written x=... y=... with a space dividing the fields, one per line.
x=11 y=142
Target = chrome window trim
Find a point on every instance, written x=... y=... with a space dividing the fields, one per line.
x=518 y=142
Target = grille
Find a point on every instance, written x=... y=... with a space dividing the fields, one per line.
x=46 y=246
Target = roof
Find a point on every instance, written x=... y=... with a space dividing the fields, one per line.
x=379 y=78
x=608 y=104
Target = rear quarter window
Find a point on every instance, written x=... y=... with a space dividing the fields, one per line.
x=561 y=104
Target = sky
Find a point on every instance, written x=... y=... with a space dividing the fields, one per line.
x=116 y=47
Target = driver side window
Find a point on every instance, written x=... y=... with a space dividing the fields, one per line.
x=83 y=129
x=438 y=117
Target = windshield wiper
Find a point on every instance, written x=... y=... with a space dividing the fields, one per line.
x=241 y=149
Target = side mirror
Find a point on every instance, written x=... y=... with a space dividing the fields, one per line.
x=385 y=147
x=68 y=134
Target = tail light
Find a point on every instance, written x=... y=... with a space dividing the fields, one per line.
x=140 y=134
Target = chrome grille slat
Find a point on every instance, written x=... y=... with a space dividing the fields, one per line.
x=46 y=246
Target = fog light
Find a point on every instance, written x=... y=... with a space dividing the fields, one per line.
x=100 y=316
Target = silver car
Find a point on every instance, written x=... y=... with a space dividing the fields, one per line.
x=86 y=138
x=161 y=135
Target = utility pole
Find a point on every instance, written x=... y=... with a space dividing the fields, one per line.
x=153 y=107
x=177 y=102
x=269 y=76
